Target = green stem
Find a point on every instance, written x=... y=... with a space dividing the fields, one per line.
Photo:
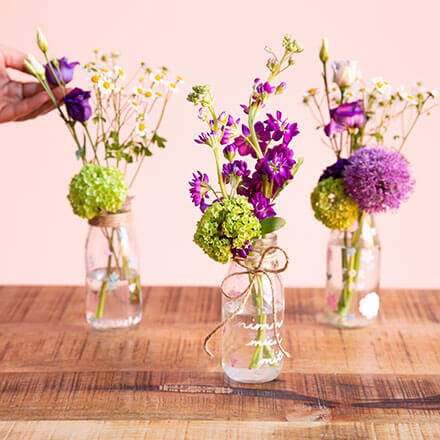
x=219 y=171
x=350 y=263
x=261 y=350
x=103 y=290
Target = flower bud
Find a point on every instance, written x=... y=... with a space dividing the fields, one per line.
x=345 y=73
x=229 y=152
x=323 y=53
x=41 y=41
x=34 y=67
x=280 y=88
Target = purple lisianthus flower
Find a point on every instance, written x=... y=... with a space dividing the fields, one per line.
x=333 y=128
x=77 y=104
x=377 y=179
x=349 y=114
x=237 y=168
x=243 y=252
x=277 y=165
x=199 y=189
x=64 y=67
x=334 y=170
x=262 y=206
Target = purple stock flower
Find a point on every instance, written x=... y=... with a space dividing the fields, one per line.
x=64 y=67
x=277 y=165
x=77 y=104
x=349 y=114
x=199 y=190
x=378 y=179
x=243 y=252
x=237 y=168
x=281 y=129
x=334 y=170
x=205 y=138
x=229 y=152
x=262 y=206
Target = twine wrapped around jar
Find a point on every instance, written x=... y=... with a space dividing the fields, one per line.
x=252 y=272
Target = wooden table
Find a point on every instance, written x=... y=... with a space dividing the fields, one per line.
x=59 y=379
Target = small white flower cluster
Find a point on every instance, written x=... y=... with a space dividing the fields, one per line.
x=107 y=81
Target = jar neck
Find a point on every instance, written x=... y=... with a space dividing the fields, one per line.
x=364 y=230
x=120 y=219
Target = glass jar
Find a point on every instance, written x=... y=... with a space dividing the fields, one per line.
x=250 y=351
x=353 y=275
x=113 y=288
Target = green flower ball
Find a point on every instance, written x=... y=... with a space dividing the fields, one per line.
x=332 y=206
x=226 y=224
x=97 y=189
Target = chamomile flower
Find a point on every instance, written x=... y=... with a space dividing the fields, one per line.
x=148 y=93
x=140 y=116
x=157 y=77
x=173 y=87
x=119 y=72
x=141 y=127
x=404 y=96
x=179 y=79
x=158 y=95
x=105 y=85
x=382 y=86
x=134 y=105
x=138 y=90
x=95 y=78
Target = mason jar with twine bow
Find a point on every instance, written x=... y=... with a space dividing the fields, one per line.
x=253 y=314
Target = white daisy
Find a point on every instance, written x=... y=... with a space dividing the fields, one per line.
x=148 y=93
x=157 y=77
x=173 y=87
x=138 y=90
x=383 y=87
x=141 y=128
x=119 y=72
x=105 y=85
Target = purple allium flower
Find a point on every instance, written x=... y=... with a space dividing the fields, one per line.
x=378 y=179
x=77 y=104
x=229 y=152
x=334 y=170
x=199 y=190
x=64 y=67
x=277 y=165
x=262 y=206
x=349 y=114
x=237 y=168
x=243 y=252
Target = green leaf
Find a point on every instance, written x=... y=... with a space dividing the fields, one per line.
x=80 y=153
x=159 y=141
x=271 y=224
x=295 y=167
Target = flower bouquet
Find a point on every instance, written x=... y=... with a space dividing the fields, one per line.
x=358 y=118
x=239 y=221
x=114 y=126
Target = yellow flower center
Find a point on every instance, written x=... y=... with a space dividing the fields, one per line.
x=106 y=85
x=157 y=77
x=148 y=94
x=141 y=126
x=95 y=78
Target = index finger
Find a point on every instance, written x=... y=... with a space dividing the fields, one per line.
x=13 y=58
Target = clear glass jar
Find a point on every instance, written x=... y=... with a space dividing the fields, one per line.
x=250 y=352
x=113 y=288
x=353 y=275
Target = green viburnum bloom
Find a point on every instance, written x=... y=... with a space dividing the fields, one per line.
x=332 y=206
x=226 y=224
x=97 y=189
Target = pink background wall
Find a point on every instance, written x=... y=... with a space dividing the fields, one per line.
x=220 y=43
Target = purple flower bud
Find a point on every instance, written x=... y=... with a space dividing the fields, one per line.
x=64 y=67
x=77 y=104
x=229 y=152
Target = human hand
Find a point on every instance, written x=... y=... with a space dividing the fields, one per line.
x=21 y=101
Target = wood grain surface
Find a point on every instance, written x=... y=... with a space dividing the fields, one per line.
x=60 y=379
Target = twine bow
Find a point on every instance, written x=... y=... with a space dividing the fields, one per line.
x=244 y=296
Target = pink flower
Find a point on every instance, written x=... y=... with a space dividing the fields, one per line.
x=332 y=302
x=233 y=362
